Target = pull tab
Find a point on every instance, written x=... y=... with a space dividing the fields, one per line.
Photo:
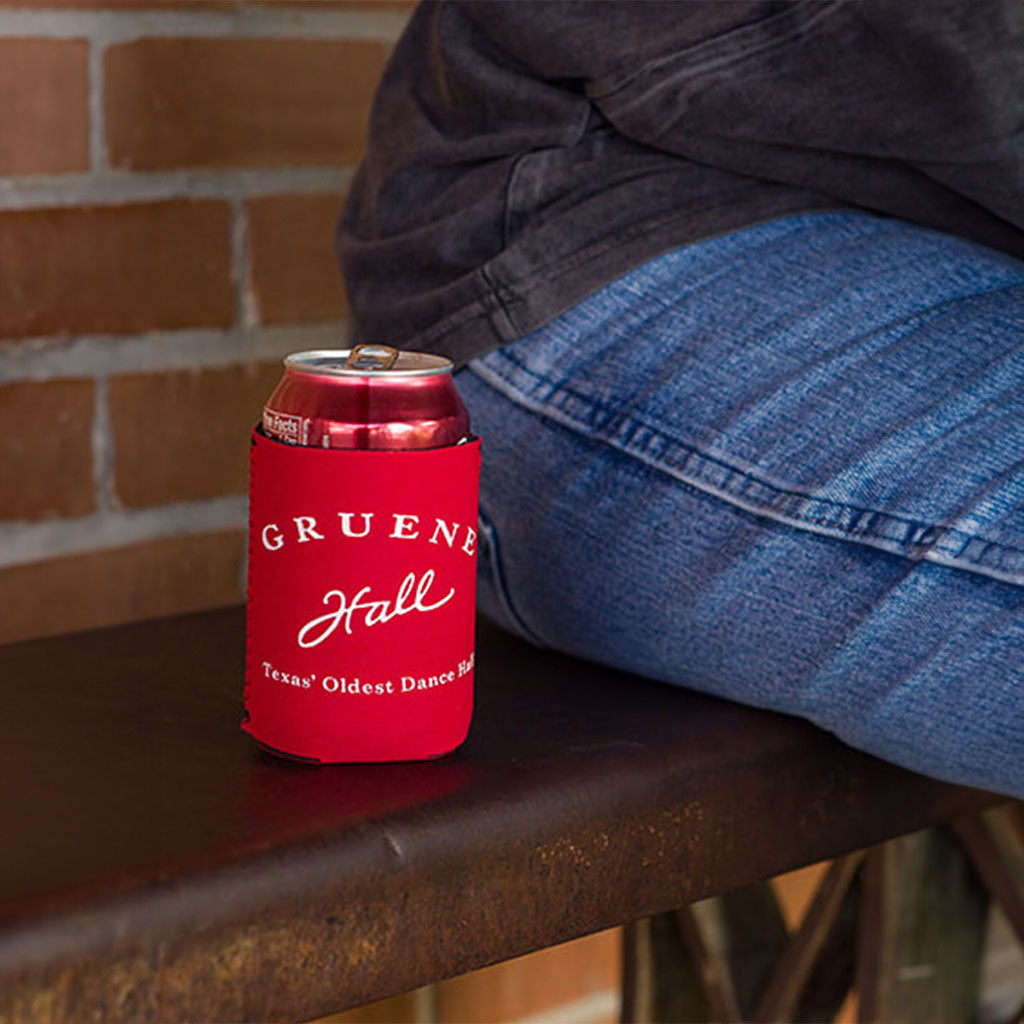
x=371 y=357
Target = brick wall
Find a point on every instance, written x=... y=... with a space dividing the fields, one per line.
x=574 y=983
x=170 y=173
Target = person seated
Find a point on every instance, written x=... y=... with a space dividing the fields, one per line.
x=738 y=293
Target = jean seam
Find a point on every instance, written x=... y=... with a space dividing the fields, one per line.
x=914 y=539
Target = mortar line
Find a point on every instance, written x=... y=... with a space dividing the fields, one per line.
x=246 y=311
x=240 y=22
x=426 y=1005
x=97 y=116
x=239 y=259
x=102 y=447
x=112 y=354
x=107 y=185
x=23 y=543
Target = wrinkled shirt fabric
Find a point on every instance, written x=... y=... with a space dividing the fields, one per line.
x=522 y=155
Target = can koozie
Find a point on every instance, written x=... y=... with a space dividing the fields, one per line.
x=362 y=581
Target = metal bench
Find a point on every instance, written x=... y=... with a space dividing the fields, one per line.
x=155 y=865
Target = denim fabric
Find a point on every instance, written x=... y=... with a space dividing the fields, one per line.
x=783 y=466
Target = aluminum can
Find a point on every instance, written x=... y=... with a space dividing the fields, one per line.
x=369 y=397
x=362 y=548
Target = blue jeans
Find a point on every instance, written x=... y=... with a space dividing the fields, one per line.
x=783 y=466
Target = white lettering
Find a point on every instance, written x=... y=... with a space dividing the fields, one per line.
x=306 y=525
x=346 y=523
x=410 y=683
x=412 y=596
x=274 y=542
x=403 y=523
x=442 y=528
x=470 y=540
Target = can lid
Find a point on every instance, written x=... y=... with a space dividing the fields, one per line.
x=368 y=361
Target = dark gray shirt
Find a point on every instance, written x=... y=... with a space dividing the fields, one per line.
x=522 y=154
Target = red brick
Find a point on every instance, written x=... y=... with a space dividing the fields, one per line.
x=292 y=270
x=795 y=890
x=849 y=1012
x=238 y=102
x=46 y=449
x=139 y=581
x=386 y=5
x=116 y=268
x=531 y=984
x=184 y=435
x=401 y=1009
x=121 y=4
x=44 y=106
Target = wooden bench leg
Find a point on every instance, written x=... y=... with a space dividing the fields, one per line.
x=705 y=961
x=815 y=972
x=904 y=922
x=922 y=932
x=994 y=840
x=659 y=980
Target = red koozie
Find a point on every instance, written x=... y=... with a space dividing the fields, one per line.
x=362 y=560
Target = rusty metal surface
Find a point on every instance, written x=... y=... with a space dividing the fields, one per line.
x=156 y=866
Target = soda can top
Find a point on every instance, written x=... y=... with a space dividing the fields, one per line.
x=370 y=396
x=368 y=361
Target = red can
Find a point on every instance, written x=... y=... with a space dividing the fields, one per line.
x=362 y=552
x=372 y=397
